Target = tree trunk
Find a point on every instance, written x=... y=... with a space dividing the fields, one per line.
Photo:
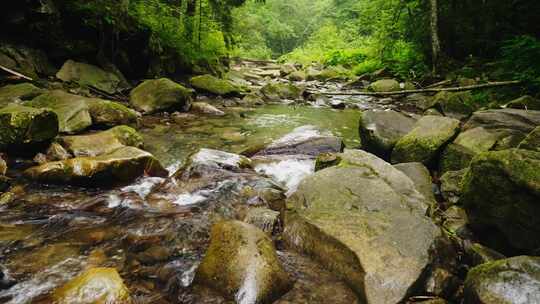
x=435 y=42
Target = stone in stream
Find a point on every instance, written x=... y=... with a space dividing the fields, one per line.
x=425 y=140
x=206 y=108
x=287 y=69
x=15 y=93
x=524 y=102
x=263 y=218
x=242 y=264
x=101 y=142
x=160 y=94
x=509 y=281
x=109 y=113
x=214 y=85
x=380 y=130
x=532 y=141
x=21 y=125
x=421 y=101
x=95 y=285
x=385 y=85
x=456 y=105
x=297 y=76
x=119 y=166
x=89 y=75
x=421 y=178
x=276 y=92
x=451 y=185
x=365 y=221
x=501 y=191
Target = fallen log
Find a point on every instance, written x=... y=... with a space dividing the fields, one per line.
x=12 y=72
x=429 y=90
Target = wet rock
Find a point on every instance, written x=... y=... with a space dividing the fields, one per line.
x=501 y=192
x=95 y=285
x=337 y=104
x=263 y=218
x=56 y=152
x=525 y=102
x=451 y=185
x=214 y=85
x=72 y=110
x=18 y=92
x=456 y=105
x=305 y=140
x=89 y=75
x=220 y=159
x=122 y=165
x=109 y=113
x=385 y=85
x=380 y=130
x=312 y=73
x=20 y=125
x=326 y=160
x=421 y=178
x=287 y=69
x=101 y=142
x=532 y=141
x=297 y=76
x=205 y=108
x=425 y=141
x=242 y=264
x=276 y=92
x=479 y=254
x=510 y=281
x=253 y=99
x=160 y=94
x=351 y=217
x=6 y=281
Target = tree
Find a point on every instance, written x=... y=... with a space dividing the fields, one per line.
x=435 y=42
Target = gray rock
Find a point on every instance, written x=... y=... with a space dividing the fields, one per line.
x=88 y=75
x=421 y=178
x=532 y=141
x=160 y=94
x=451 y=185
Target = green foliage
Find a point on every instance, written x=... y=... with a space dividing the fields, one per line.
x=521 y=57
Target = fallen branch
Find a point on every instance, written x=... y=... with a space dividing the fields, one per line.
x=429 y=90
x=15 y=73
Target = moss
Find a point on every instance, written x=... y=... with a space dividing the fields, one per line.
x=104 y=112
x=15 y=92
x=160 y=94
x=24 y=125
x=455 y=157
x=214 y=85
x=385 y=85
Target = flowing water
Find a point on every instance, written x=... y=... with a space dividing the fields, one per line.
x=48 y=234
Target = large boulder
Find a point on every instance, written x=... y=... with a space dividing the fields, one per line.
x=351 y=217
x=95 y=285
x=521 y=121
x=242 y=264
x=109 y=113
x=385 y=85
x=421 y=178
x=380 y=130
x=72 y=110
x=426 y=139
x=276 y=92
x=20 y=125
x=15 y=93
x=457 y=105
x=532 y=141
x=89 y=75
x=120 y=166
x=214 y=85
x=160 y=94
x=297 y=76
x=501 y=192
x=524 y=102
x=510 y=281
x=30 y=62
x=101 y=142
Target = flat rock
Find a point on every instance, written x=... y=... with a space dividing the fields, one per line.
x=89 y=75
x=351 y=217
x=160 y=94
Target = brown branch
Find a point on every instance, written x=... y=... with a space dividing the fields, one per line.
x=15 y=73
x=429 y=90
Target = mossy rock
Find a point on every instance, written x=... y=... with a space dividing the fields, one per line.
x=385 y=85
x=21 y=125
x=381 y=130
x=509 y=281
x=297 y=76
x=478 y=254
x=524 y=102
x=326 y=160
x=214 y=85
x=101 y=142
x=451 y=185
x=421 y=101
x=455 y=104
x=350 y=218
x=425 y=140
x=72 y=110
x=242 y=264
x=89 y=75
x=501 y=191
x=532 y=141
x=160 y=94
x=123 y=165
x=109 y=113
x=276 y=92
x=94 y=286
x=18 y=92
x=523 y=121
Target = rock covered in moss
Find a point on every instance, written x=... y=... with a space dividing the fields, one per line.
x=425 y=140
x=18 y=92
x=93 y=286
x=297 y=76
x=214 y=85
x=350 y=218
x=326 y=160
x=242 y=264
x=160 y=94
x=28 y=61
x=89 y=75
x=287 y=69
x=276 y=92
x=119 y=166
x=451 y=185
x=380 y=130
x=101 y=142
x=20 y=125
x=510 y=281
x=524 y=102
x=109 y=113
x=532 y=141
x=477 y=254
x=454 y=104
x=385 y=85
x=501 y=191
